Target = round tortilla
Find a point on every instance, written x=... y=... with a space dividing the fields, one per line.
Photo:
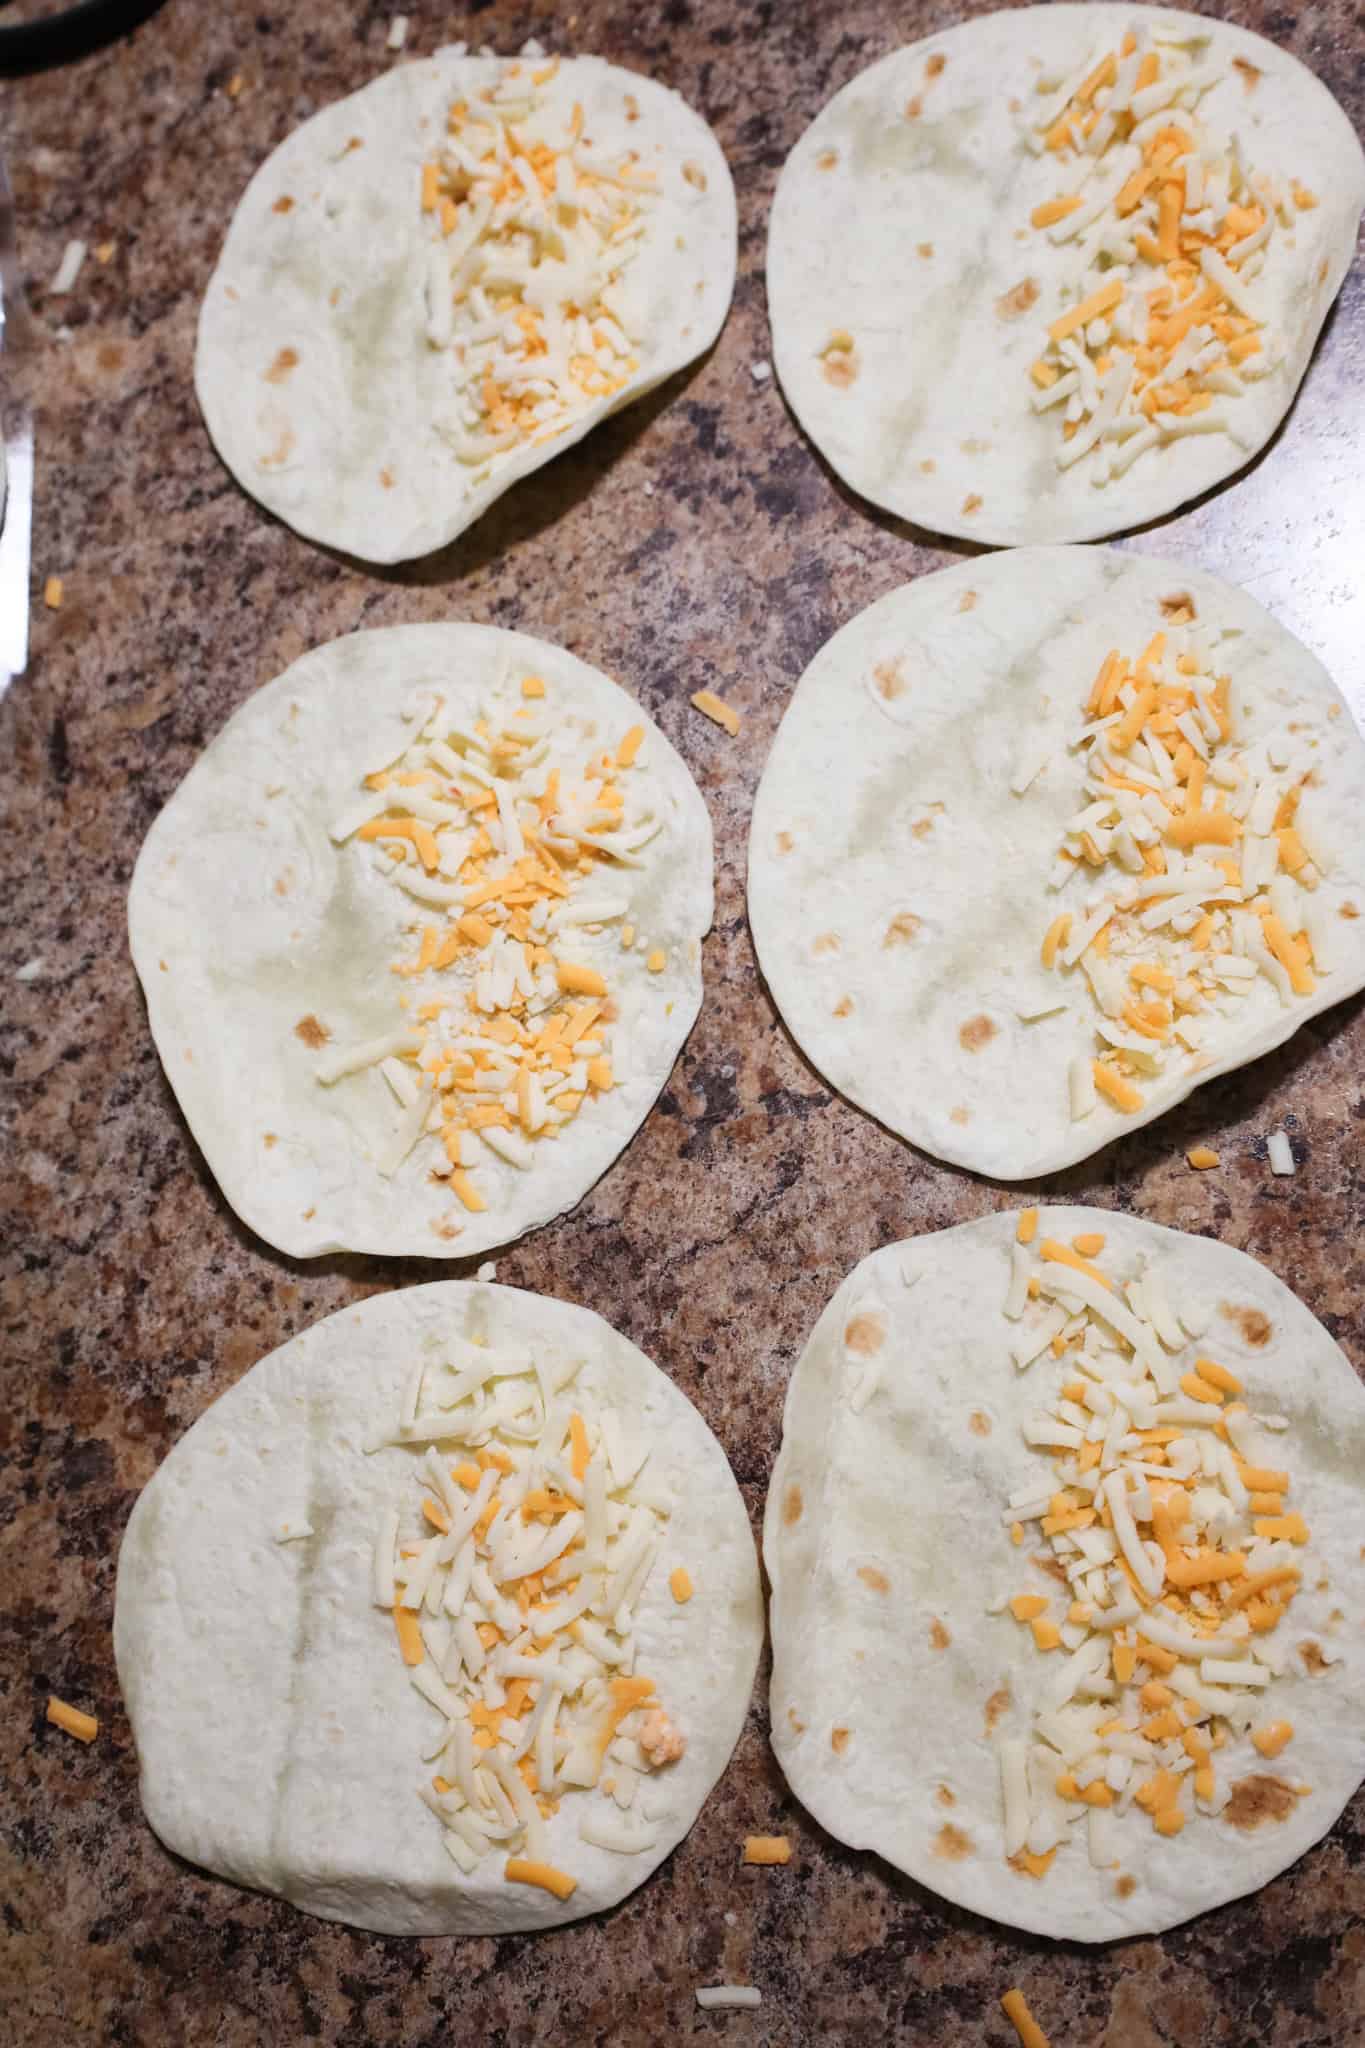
x=892 y=869
x=256 y=937
x=278 y=1735
x=313 y=369
x=901 y=219
x=883 y=1542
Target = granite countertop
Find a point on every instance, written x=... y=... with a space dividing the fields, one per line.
x=131 y=1294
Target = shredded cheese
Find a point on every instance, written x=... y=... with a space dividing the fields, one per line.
x=717 y=710
x=513 y=845
x=1161 y=329
x=767 y=1849
x=1179 y=1563
x=1192 y=885
x=53 y=590
x=513 y=1574
x=83 y=1726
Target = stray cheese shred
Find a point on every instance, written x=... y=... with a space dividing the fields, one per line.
x=514 y=845
x=1014 y=2005
x=1169 y=229
x=515 y=1569
x=1185 y=905
x=1174 y=1589
x=767 y=1849
x=717 y=710
x=83 y=1726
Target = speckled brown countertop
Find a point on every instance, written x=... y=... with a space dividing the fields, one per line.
x=131 y=1294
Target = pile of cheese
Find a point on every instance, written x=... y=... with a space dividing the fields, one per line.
x=1161 y=326
x=532 y=230
x=514 y=1570
x=521 y=858
x=1170 y=1555
x=1198 y=868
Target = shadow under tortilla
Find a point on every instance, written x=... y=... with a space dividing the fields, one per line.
x=529 y=507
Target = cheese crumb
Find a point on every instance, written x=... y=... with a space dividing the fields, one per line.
x=398 y=33
x=69 y=269
x=53 y=591
x=760 y=372
x=710 y=1997
x=1014 y=2005
x=680 y=1584
x=1280 y=1152
x=717 y=710
x=83 y=1726
x=767 y=1849
x=1201 y=1157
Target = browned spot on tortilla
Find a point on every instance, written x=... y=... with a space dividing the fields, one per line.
x=889 y=680
x=1313 y=1660
x=166 y=970
x=632 y=106
x=798 y=1726
x=924 y=249
x=1177 y=603
x=1257 y=1799
x=695 y=175
x=828 y=942
x=1322 y=279
x=980 y=1422
x=792 y=1505
x=284 y=883
x=270 y=1140
x=928 y=466
x=960 y=1114
x=386 y=479
x=448 y=1228
x=1053 y=1566
x=785 y=842
x=865 y=1335
x=827 y=159
x=966 y=601
x=844 y=1008
x=311 y=1031
x=914 y=108
x=1249 y=73
x=354 y=142
x=284 y=362
x=838 y=1739
x=1013 y=304
x=280 y=452
x=935 y=65
x=996 y=1705
x=901 y=929
x=870 y=1576
x=1125 y=1886
x=951 y=1844
x=938 y=1635
x=971 y=503
x=284 y=204
x=922 y=827
x=946 y=1797
x=976 y=1032
x=840 y=367
x=1254 y=1326
x=1349 y=910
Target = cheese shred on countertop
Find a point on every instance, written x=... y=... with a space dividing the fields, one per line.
x=767 y=1849
x=1190 y=865
x=83 y=1726
x=514 y=1572
x=717 y=710
x=516 y=858
x=1169 y=229
x=1160 y=1597
x=1014 y=2005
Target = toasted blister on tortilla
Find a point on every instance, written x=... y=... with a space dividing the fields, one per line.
x=443 y=1620
x=420 y=937
x=1047 y=840
x=1051 y=273
x=1064 y=1546
x=435 y=285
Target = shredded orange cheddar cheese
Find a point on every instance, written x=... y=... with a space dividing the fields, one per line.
x=83 y=1726
x=767 y=1849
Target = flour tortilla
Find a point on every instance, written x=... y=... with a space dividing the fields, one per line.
x=246 y=920
x=368 y=393
x=911 y=1488
x=279 y=1738
x=872 y=807
x=938 y=413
